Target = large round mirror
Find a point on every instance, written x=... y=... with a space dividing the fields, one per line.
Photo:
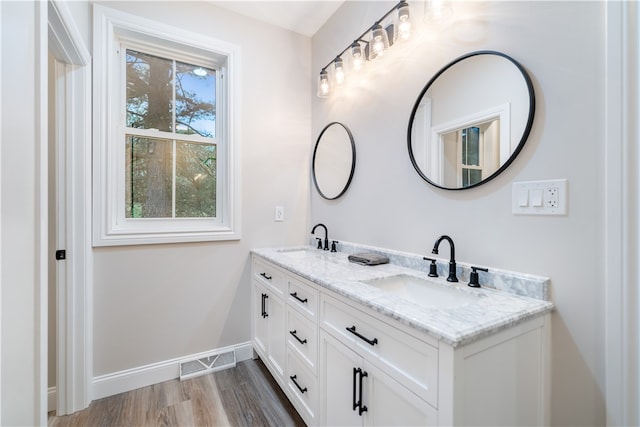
x=334 y=160
x=471 y=120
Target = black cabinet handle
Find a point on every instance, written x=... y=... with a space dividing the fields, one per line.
x=363 y=338
x=264 y=306
x=265 y=276
x=355 y=375
x=293 y=380
x=293 y=333
x=362 y=407
x=295 y=295
x=357 y=404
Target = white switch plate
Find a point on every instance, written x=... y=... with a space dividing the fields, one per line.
x=279 y=213
x=553 y=200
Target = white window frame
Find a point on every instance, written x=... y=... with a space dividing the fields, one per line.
x=114 y=31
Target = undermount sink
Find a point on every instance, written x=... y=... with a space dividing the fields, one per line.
x=423 y=292
x=296 y=253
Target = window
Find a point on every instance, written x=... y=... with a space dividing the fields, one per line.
x=165 y=157
x=470 y=156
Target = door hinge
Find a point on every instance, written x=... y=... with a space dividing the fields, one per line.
x=61 y=254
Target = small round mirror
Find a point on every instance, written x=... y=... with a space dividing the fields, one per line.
x=471 y=120
x=334 y=160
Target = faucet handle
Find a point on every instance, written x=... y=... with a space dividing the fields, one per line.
x=473 y=277
x=319 y=242
x=433 y=272
x=333 y=246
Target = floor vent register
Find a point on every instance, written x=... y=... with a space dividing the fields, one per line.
x=205 y=365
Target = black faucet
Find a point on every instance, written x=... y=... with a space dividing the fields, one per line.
x=452 y=262
x=326 y=236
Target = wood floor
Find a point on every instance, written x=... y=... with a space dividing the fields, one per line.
x=246 y=395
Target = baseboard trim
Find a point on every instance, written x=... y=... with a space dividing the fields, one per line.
x=131 y=379
x=52 y=399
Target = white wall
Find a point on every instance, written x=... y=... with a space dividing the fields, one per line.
x=561 y=44
x=158 y=302
x=23 y=166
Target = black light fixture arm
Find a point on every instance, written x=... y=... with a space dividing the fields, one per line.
x=360 y=39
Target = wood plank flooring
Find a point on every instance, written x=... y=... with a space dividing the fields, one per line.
x=246 y=395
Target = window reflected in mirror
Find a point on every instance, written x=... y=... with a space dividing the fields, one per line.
x=471 y=120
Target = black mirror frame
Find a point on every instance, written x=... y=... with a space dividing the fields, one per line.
x=525 y=134
x=353 y=161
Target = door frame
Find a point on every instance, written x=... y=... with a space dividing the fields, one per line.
x=621 y=213
x=73 y=183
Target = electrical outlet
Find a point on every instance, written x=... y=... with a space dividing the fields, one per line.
x=548 y=197
x=279 y=213
x=551 y=199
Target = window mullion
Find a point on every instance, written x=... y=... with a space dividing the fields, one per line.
x=173 y=163
x=173 y=180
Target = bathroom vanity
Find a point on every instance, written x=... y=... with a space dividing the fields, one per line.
x=387 y=345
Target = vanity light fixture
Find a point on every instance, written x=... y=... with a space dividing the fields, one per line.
x=403 y=23
x=357 y=56
x=379 y=41
x=338 y=67
x=363 y=49
x=323 y=84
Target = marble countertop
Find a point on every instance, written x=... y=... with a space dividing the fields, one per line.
x=488 y=312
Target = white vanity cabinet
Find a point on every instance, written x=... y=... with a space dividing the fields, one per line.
x=357 y=393
x=342 y=363
x=302 y=348
x=269 y=317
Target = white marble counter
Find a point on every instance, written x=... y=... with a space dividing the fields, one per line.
x=491 y=310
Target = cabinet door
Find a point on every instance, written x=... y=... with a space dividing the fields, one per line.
x=339 y=385
x=276 y=314
x=260 y=322
x=391 y=404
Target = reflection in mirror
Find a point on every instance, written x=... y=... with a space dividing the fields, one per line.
x=471 y=120
x=334 y=160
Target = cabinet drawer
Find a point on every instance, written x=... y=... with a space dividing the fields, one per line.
x=302 y=386
x=302 y=338
x=303 y=298
x=409 y=360
x=270 y=276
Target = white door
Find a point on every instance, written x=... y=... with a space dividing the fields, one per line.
x=391 y=404
x=71 y=131
x=276 y=312
x=339 y=383
x=260 y=321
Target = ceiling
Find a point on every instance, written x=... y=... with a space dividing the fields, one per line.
x=304 y=17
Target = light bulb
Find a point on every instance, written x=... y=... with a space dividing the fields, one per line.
x=339 y=70
x=323 y=84
x=379 y=41
x=437 y=10
x=356 y=55
x=403 y=23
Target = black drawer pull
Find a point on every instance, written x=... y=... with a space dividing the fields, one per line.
x=293 y=333
x=295 y=295
x=264 y=306
x=293 y=380
x=355 y=375
x=357 y=401
x=367 y=340
x=362 y=408
x=265 y=276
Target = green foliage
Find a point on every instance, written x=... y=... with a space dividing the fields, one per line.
x=150 y=181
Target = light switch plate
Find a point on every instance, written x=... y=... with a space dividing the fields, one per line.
x=547 y=197
x=279 y=213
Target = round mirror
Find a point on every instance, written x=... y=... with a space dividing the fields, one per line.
x=334 y=160
x=471 y=120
